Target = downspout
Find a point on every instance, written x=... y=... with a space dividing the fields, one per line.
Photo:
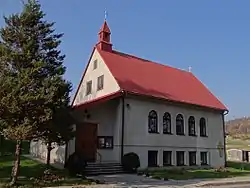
x=123 y=124
x=66 y=153
x=224 y=134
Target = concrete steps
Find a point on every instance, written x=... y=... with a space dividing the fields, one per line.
x=103 y=168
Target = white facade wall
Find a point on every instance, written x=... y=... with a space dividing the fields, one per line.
x=91 y=74
x=107 y=117
x=138 y=140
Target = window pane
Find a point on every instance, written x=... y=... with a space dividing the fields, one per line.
x=180 y=158
x=100 y=81
x=88 y=87
x=95 y=64
x=203 y=127
x=105 y=142
x=152 y=158
x=192 y=158
x=166 y=123
x=179 y=125
x=167 y=158
x=152 y=122
x=203 y=158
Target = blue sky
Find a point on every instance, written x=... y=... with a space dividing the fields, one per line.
x=213 y=37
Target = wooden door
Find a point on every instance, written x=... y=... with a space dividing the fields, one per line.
x=86 y=140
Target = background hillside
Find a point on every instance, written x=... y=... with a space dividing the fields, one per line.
x=239 y=126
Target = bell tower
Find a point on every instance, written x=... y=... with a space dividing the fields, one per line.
x=104 y=42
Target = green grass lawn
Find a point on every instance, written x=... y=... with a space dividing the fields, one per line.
x=232 y=143
x=233 y=170
x=30 y=170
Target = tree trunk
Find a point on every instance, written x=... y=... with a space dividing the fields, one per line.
x=16 y=167
x=49 y=148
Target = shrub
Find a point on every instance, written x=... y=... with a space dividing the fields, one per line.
x=76 y=164
x=130 y=162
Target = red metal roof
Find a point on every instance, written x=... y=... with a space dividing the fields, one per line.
x=98 y=100
x=148 y=78
x=105 y=28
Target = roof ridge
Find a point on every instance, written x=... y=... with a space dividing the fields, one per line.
x=149 y=61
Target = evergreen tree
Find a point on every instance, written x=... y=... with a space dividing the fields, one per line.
x=59 y=130
x=31 y=78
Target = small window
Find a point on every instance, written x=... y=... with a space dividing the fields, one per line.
x=100 y=80
x=167 y=123
x=203 y=131
x=180 y=155
x=167 y=158
x=179 y=125
x=192 y=158
x=105 y=142
x=152 y=158
x=191 y=126
x=152 y=122
x=95 y=64
x=203 y=158
x=89 y=87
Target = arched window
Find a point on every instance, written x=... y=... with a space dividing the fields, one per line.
x=191 y=126
x=166 y=123
x=152 y=122
x=179 y=125
x=203 y=131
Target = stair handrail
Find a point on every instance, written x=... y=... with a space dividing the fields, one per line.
x=100 y=156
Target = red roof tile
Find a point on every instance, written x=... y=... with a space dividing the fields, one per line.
x=144 y=77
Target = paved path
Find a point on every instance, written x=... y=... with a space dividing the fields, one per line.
x=133 y=181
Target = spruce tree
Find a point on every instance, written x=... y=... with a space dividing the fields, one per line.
x=32 y=86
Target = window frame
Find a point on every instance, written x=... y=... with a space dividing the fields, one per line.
x=88 y=90
x=206 y=157
x=177 y=161
x=153 y=115
x=203 y=127
x=169 y=153
x=167 y=118
x=178 y=118
x=100 y=78
x=191 y=125
x=105 y=141
x=95 y=64
x=190 y=153
x=155 y=152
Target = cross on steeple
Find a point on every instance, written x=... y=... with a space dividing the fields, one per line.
x=105 y=15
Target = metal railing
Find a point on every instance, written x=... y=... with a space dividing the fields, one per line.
x=98 y=155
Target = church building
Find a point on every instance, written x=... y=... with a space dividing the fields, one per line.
x=129 y=104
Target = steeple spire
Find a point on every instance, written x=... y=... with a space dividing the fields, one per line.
x=104 y=42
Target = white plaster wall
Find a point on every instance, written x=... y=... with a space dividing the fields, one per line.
x=39 y=150
x=107 y=116
x=138 y=140
x=110 y=84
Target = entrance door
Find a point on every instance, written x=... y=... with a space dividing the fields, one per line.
x=86 y=140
